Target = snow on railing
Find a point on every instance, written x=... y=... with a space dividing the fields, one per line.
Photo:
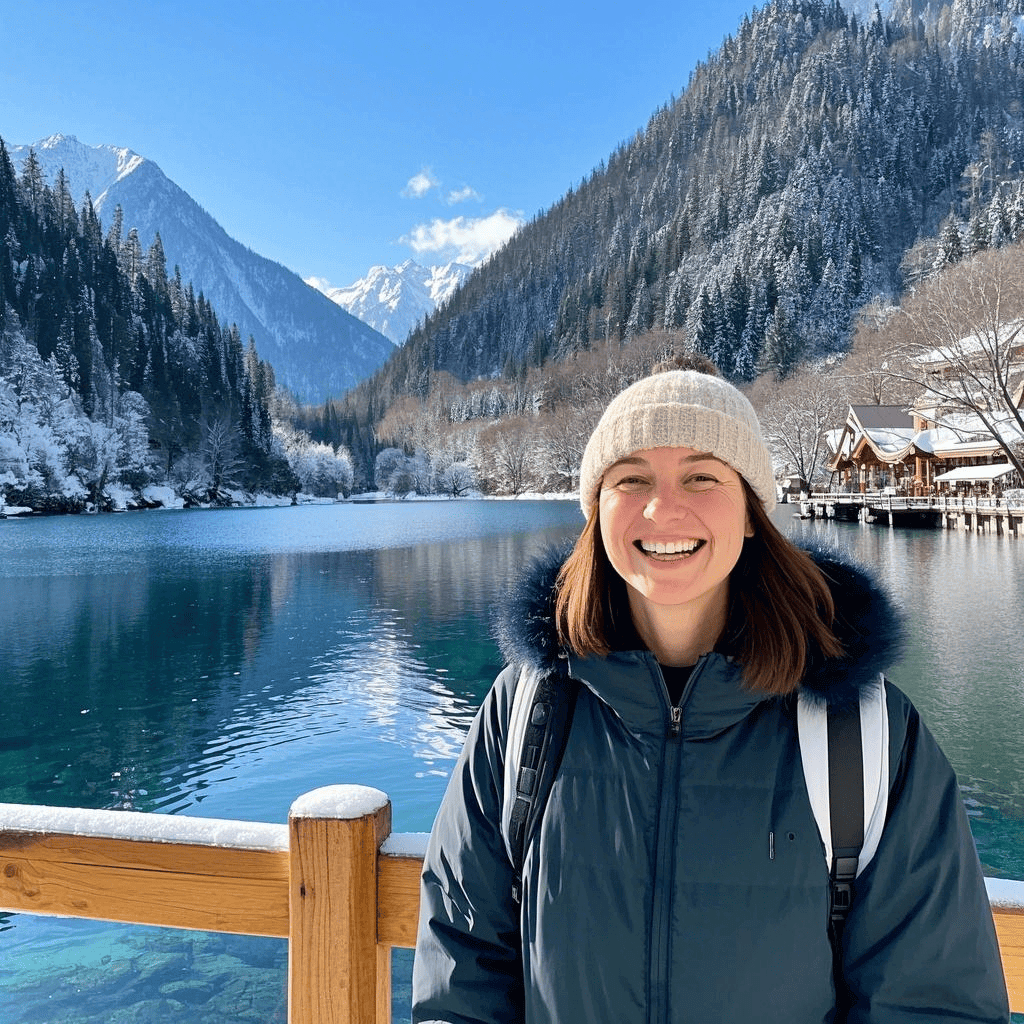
x=334 y=881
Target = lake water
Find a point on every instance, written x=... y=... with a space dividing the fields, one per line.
x=221 y=663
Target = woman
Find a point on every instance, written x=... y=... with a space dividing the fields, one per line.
x=677 y=873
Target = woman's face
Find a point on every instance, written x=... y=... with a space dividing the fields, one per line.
x=673 y=522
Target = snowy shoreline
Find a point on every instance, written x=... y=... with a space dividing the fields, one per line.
x=162 y=498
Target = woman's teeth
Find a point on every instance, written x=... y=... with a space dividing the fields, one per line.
x=678 y=547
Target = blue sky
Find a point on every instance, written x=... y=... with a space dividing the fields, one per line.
x=332 y=136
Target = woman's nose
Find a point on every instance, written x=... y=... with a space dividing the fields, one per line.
x=665 y=502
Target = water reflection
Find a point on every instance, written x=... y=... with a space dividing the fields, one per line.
x=222 y=664
x=227 y=680
x=963 y=596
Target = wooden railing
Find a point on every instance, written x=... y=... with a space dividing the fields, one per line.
x=333 y=881
x=904 y=502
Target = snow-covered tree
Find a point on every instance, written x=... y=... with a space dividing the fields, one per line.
x=963 y=334
x=322 y=470
x=797 y=416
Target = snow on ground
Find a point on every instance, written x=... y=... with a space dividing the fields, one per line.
x=163 y=495
x=120 y=497
x=1005 y=892
x=405 y=844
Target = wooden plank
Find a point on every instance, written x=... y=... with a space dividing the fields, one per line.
x=398 y=899
x=1010 y=930
x=144 y=854
x=167 y=884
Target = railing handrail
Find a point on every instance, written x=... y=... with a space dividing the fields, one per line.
x=334 y=877
x=913 y=500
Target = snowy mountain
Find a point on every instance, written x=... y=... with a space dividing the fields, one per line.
x=395 y=299
x=317 y=349
x=758 y=212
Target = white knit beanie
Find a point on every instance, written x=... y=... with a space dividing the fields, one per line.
x=680 y=409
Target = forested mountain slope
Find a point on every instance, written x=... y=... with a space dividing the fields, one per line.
x=317 y=348
x=112 y=373
x=756 y=213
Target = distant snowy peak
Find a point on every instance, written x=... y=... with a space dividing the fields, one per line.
x=92 y=169
x=394 y=299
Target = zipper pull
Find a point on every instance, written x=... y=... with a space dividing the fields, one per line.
x=676 y=725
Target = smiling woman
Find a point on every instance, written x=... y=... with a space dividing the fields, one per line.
x=655 y=887
x=673 y=522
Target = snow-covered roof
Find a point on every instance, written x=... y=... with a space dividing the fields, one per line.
x=889 y=432
x=891 y=440
x=833 y=438
x=967 y=347
x=964 y=474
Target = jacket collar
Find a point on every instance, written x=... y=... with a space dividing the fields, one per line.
x=630 y=683
x=868 y=625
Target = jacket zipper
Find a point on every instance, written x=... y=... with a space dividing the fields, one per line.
x=664 y=854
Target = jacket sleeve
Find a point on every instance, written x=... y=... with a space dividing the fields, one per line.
x=468 y=967
x=919 y=943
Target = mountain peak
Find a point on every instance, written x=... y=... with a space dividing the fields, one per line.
x=53 y=141
x=393 y=300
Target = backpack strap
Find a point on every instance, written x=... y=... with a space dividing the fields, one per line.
x=846 y=769
x=845 y=786
x=541 y=715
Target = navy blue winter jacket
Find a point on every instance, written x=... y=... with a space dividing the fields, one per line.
x=652 y=893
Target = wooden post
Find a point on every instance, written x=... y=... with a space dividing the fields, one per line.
x=333 y=964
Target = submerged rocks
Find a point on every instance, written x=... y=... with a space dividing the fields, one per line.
x=152 y=976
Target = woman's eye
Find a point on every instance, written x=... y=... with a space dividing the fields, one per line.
x=631 y=482
x=701 y=481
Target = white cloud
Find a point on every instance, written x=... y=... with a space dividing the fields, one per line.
x=420 y=184
x=321 y=284
x=465 y=239
x=461 y=195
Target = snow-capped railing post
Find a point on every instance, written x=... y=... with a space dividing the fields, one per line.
x=334 y=962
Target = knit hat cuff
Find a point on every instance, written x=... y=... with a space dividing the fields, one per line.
x=639 y=425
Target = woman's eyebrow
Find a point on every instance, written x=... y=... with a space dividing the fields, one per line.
x=703 y=457
x=636 y=460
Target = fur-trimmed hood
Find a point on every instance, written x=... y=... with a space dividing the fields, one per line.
x=868 y=624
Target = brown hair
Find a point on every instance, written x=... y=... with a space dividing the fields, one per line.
x=780 y=606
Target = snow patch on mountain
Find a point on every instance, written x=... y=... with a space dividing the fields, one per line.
x=92 y=169
x=393 y=300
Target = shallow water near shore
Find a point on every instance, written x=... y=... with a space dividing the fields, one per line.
x=222 y=663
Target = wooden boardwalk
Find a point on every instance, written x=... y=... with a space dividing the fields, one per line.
x=978 y=515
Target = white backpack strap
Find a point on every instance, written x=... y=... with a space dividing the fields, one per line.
x=874 y=732
x=522 y=701
x=812 y=729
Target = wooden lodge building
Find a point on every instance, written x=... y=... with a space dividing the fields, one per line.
x=918 y=452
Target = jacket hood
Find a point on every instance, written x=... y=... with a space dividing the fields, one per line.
x=868 y=624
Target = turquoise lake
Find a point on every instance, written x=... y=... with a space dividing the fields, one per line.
x=222 y=663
